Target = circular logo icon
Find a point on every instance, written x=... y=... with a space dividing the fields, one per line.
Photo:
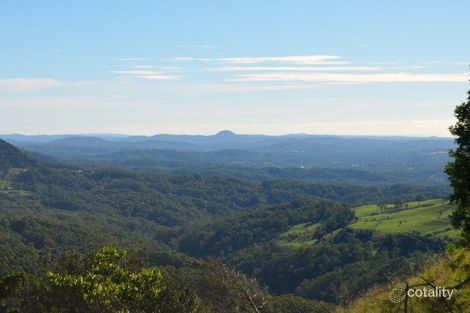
x=398 y=292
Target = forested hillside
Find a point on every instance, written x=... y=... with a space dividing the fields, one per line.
x=331 y=263
x=10 y=157
x=292 y=235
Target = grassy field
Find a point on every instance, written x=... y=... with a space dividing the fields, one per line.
x=429 y=217
x=298 y=236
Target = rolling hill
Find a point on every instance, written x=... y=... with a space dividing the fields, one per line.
x=418 y=161
x=428 y=218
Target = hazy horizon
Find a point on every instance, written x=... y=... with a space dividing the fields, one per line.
x=84 y=134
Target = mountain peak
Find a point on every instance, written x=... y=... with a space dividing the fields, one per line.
x=225 y=133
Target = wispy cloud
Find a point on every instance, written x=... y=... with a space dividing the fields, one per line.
x=296 y=59
x=354 y=78
x=26 y=84
x=303 y=71
x=192 y=59
x=292 y=68
x=148 y=75
x=243 y=88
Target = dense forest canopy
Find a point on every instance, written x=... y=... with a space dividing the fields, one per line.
x=283 y=232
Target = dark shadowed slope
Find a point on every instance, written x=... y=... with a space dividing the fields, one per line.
x=10 y=157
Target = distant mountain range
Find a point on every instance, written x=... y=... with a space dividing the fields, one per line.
x=417 y=160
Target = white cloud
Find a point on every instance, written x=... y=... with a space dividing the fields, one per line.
x=159 y=68
x=191 y=59
x=26 y=84
x=292 y=68
x=355 y=78
x=148 y=75
x=296 y=59
x=308 y=69
x=243 y=88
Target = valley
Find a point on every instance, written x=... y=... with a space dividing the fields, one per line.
x=291 y=229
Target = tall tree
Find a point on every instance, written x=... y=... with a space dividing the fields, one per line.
x=459 y=170
x=109 y=281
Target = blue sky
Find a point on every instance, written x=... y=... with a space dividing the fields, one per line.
x=196 y=67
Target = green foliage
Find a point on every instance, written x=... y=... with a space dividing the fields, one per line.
x=459 y=169
x=294 y=304
x=260 y=225
x=113 y=280
x=299 y=236
x=338 y=267
x=303 y=248
x=109 y=282
x=45 y=209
